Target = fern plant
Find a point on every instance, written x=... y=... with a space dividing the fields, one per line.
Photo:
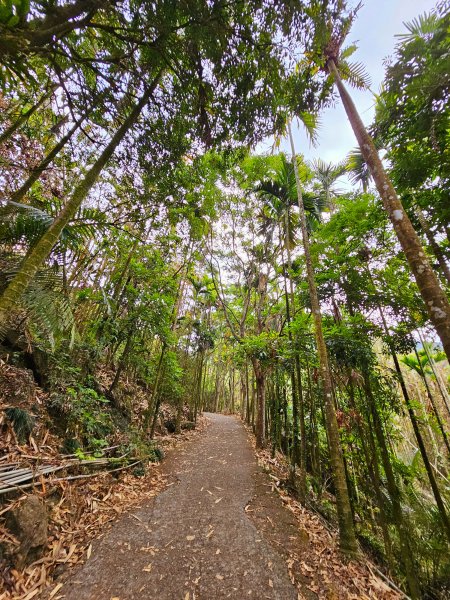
x=48 y=313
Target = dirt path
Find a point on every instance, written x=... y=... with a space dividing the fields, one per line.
x=195 y=540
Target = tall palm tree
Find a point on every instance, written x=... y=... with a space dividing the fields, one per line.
x=279 y=194
x=332 y=59
x=346 y=529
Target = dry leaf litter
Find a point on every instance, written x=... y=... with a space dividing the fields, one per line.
x=321 y=569
x=79 y=510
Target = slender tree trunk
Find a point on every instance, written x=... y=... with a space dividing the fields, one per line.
x=314 y=441
x=19 y=194
x=232 y=391
x=121 y=366
x=437 y=251
x=423 y=452
x=26 y=115
x=433 y=403
x=260 y=403
x=247 y=382
x=243 y=395
x=298 y=413
x=435 y=299
x=439 y=382
x=394 y=494
x=11 y=296
x=372 y=463
x=412 y=416
x=346 y=528
x=198 y=384
x=153 y=399
x=216 y=390
x=295 y=435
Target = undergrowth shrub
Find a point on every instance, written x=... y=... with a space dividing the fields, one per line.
x=84 y=415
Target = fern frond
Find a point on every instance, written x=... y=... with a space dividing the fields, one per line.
x=49 y=314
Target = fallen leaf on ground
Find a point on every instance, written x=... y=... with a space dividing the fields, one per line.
x=56 y=590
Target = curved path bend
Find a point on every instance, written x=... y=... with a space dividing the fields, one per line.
x=195 y=540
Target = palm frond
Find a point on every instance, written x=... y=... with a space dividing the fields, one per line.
x=355 y=74
x=411 y=362
x=22 y=223
x=359 y=172
x=348 y=51
x=420 y=27
x=311 y=123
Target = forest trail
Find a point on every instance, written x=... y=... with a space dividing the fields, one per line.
x=195 y=540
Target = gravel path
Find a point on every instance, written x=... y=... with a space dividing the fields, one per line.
x=195 y=540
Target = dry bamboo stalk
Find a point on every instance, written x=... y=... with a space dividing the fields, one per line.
x=68 y=478
x=13 y=480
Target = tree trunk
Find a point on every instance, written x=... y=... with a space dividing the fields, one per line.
x=422 y=449
x=414 y=423
x=295 y=436
x=243 y=405
x=346 y=529
x=260 y=404
x=198 y=384
x=394 y=494
x=121 y=366
x=435 y=299
x=153 y=399
x=372 y=463
x=437 y=251
x=18 y=195
x=247 y=383
x=40 y=252
x=26 y=115
x=433 y=403
x=441 y=385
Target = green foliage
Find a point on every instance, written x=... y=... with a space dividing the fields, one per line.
x=13 y=12
x=138 y=448
x=50 y=319
x=85 y=415
x=412 y=117
x=261 y=347
x=172 y=385
x=429 y=542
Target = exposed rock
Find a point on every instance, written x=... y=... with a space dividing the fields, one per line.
x=170 y=425
x=28 y=522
